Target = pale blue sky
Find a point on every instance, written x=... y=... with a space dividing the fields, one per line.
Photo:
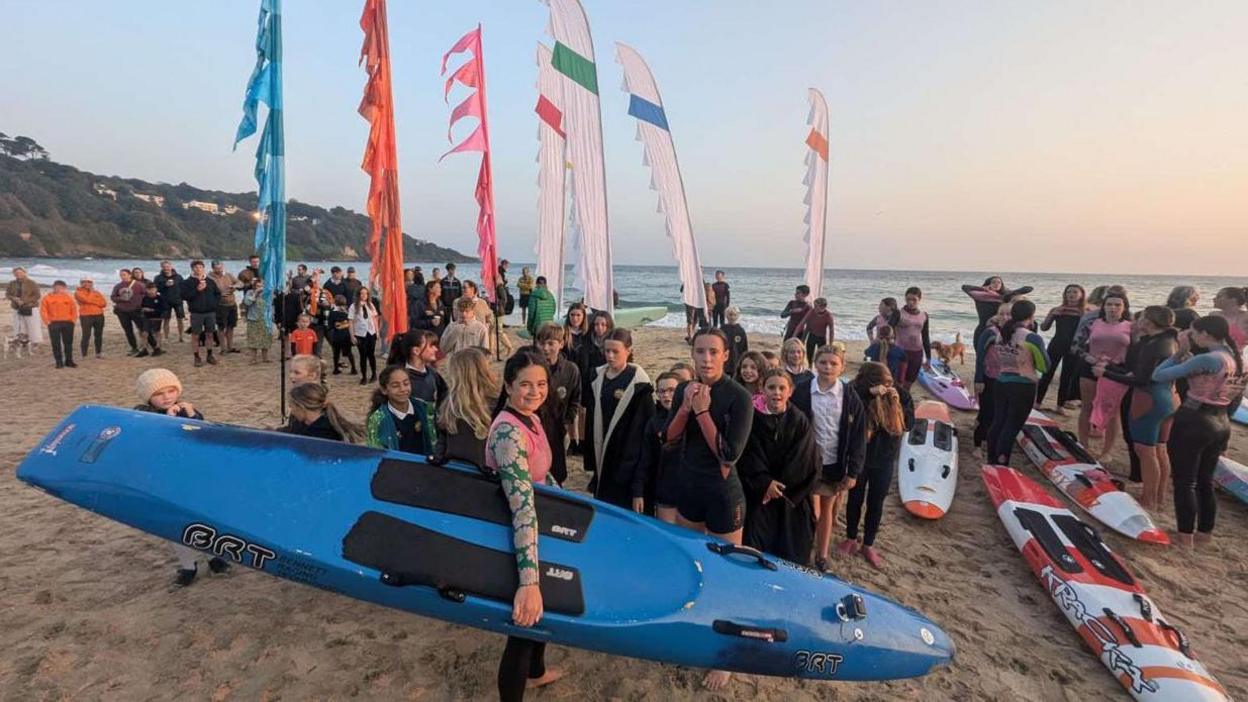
x=1070 y=136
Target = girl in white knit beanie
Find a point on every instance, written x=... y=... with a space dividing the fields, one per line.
x=160 y=392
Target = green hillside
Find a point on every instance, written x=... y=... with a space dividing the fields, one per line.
x=50 y=209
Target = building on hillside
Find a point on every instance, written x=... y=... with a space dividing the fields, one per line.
x=209 y=207
x=104 y=191
x=157 y=200
x=232 y=209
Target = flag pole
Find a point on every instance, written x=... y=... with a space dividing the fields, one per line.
x=486 y=166
x=282 y=346
x=265 y=85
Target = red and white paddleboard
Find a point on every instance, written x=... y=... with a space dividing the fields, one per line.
x=1099 y=596
x=927 y=465
x=1065 y=462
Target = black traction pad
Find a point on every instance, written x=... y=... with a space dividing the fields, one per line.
x=1090 y=545
x=409 y=554
x=1042 y=529
x=943 y=439
x=476 y=496
x=918 y=433
x=1038 y=437
x=1071 y=443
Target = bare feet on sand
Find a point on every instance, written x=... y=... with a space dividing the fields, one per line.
x=716 y=679
x=552 y=674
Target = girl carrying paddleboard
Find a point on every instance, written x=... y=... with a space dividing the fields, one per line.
x=518 y=453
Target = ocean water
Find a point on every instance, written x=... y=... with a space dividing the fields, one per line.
x=760 y=292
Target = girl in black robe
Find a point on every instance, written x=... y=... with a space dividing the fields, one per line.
x=778 y=471
x=619 y=405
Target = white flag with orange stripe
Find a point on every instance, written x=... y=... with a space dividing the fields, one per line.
x=816 y=182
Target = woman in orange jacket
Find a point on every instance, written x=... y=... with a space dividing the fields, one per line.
x=59 y=312
x=91 y=305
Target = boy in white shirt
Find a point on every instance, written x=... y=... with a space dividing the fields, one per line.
x=467 y=331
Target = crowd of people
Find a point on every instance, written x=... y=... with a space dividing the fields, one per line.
x=760 y=449
x=1164 y=379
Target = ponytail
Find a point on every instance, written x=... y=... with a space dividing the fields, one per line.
x=351 y=432
x=884 y=411
x=1219 y=328
x=1021 y=311
x=315 y=398
x=884 y=346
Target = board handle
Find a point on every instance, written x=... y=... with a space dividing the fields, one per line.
x=725 y=549
x=723 y=626
x=1185 y=646
x=1122 y=624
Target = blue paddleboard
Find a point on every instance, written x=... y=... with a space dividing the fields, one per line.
x=386 y=527
x=1241 y=413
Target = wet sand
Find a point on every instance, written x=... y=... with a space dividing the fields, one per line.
x=89 y=611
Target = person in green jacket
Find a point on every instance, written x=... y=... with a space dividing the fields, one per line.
x=541 y=307
x=395 y=420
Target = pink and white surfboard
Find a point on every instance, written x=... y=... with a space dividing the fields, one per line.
x=1065 y=462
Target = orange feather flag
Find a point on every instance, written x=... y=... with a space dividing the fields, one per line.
x=381 y=162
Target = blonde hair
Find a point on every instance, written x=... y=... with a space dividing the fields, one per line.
x=794 y=343
x=471 y=390
x=310 y=364
x=836 y=348
x=311 y=397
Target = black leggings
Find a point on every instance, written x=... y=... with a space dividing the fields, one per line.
x=92 y=324
x=368 y=354
x=717 y=316
x=1068 y=384
x=343 y=349
x=872 y=487
x=1197 y=439
x=523 y=660
x=983 y=418
x=1013 y=403
x=127 y=320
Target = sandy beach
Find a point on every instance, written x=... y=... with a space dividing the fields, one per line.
x=89 y=611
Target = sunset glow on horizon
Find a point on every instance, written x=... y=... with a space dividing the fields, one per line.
x=1064 y=136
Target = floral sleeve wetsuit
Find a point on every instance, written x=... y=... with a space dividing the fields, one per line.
x=517 y=451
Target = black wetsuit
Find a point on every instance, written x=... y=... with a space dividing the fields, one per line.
x=661 y=461
x=877 y=477
x=1142 y=420
x=1060 y=347
x=722 y=292
x=738 y=344
x=987 y=303
x=706 y=496
x=795 y=312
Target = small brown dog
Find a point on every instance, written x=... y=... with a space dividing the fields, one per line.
x=948 y=352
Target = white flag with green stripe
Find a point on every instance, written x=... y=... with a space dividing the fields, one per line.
x=573 y=59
